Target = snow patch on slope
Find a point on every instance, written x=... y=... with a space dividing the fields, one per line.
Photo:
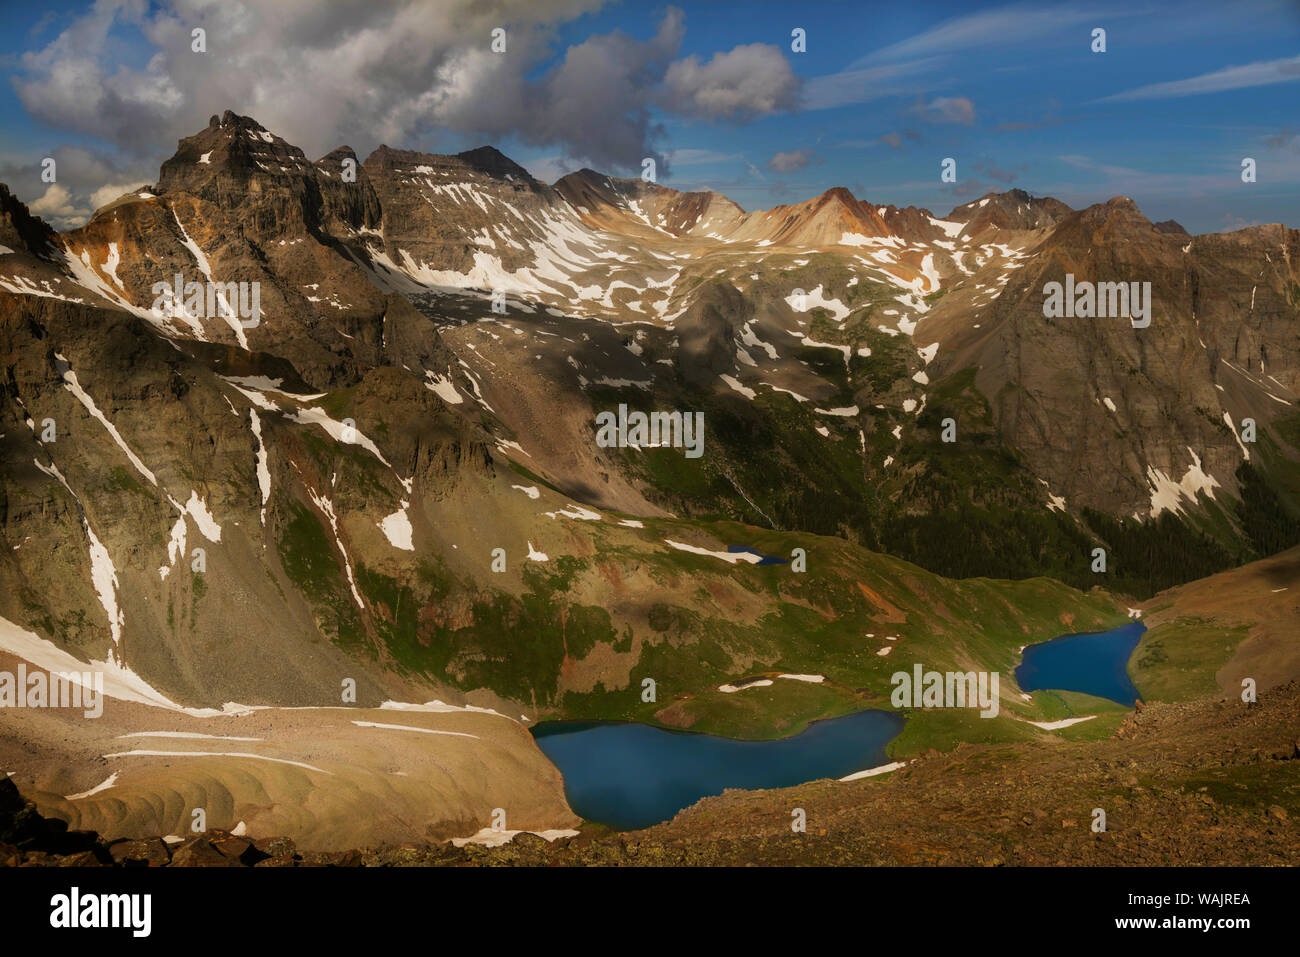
x=397 y=529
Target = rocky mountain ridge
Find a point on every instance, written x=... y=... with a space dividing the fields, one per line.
x=884 y=312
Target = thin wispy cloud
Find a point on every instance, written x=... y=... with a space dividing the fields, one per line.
x=861 y=85
x=698 y=157
x=1012 y=25
x=1264 y=73
x=1114 y=180
x=878 y=74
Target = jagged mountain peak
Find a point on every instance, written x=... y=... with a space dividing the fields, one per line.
x=840 y=194
x=492 y=161
x=613 y=189
x=1121 y=202
x=20 y=231
x=611 y=202
x=587 y=189
x=1010 y=209
x=486 y=161
x=829 y=218
x=230 y=146
x=233 y=120
x=1116 y=230
x=231 y=126
x=585 y=175
x=338 y=154
x=1118 y=212
x=843 y=197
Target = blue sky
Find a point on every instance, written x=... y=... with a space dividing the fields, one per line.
x=882 y=95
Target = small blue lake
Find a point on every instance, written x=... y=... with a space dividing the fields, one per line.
x=631 y=776
x=763 y=559
x=1095 y=664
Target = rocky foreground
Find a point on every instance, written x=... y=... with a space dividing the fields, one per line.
x=1211 y=782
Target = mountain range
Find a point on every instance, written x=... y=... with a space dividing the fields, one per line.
x=390 y=473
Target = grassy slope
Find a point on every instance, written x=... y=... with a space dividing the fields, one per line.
x=710 y=622
x=1204 y=636
x=1177 y=661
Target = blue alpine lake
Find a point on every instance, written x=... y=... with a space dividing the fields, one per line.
x=630 y=776
x=1095 y=664
x=763 y=559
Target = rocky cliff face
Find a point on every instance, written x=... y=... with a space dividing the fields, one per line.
x=439 y=209
x=239 y=205
x=267 y=184
x=1139 y=421
x=123 y=456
